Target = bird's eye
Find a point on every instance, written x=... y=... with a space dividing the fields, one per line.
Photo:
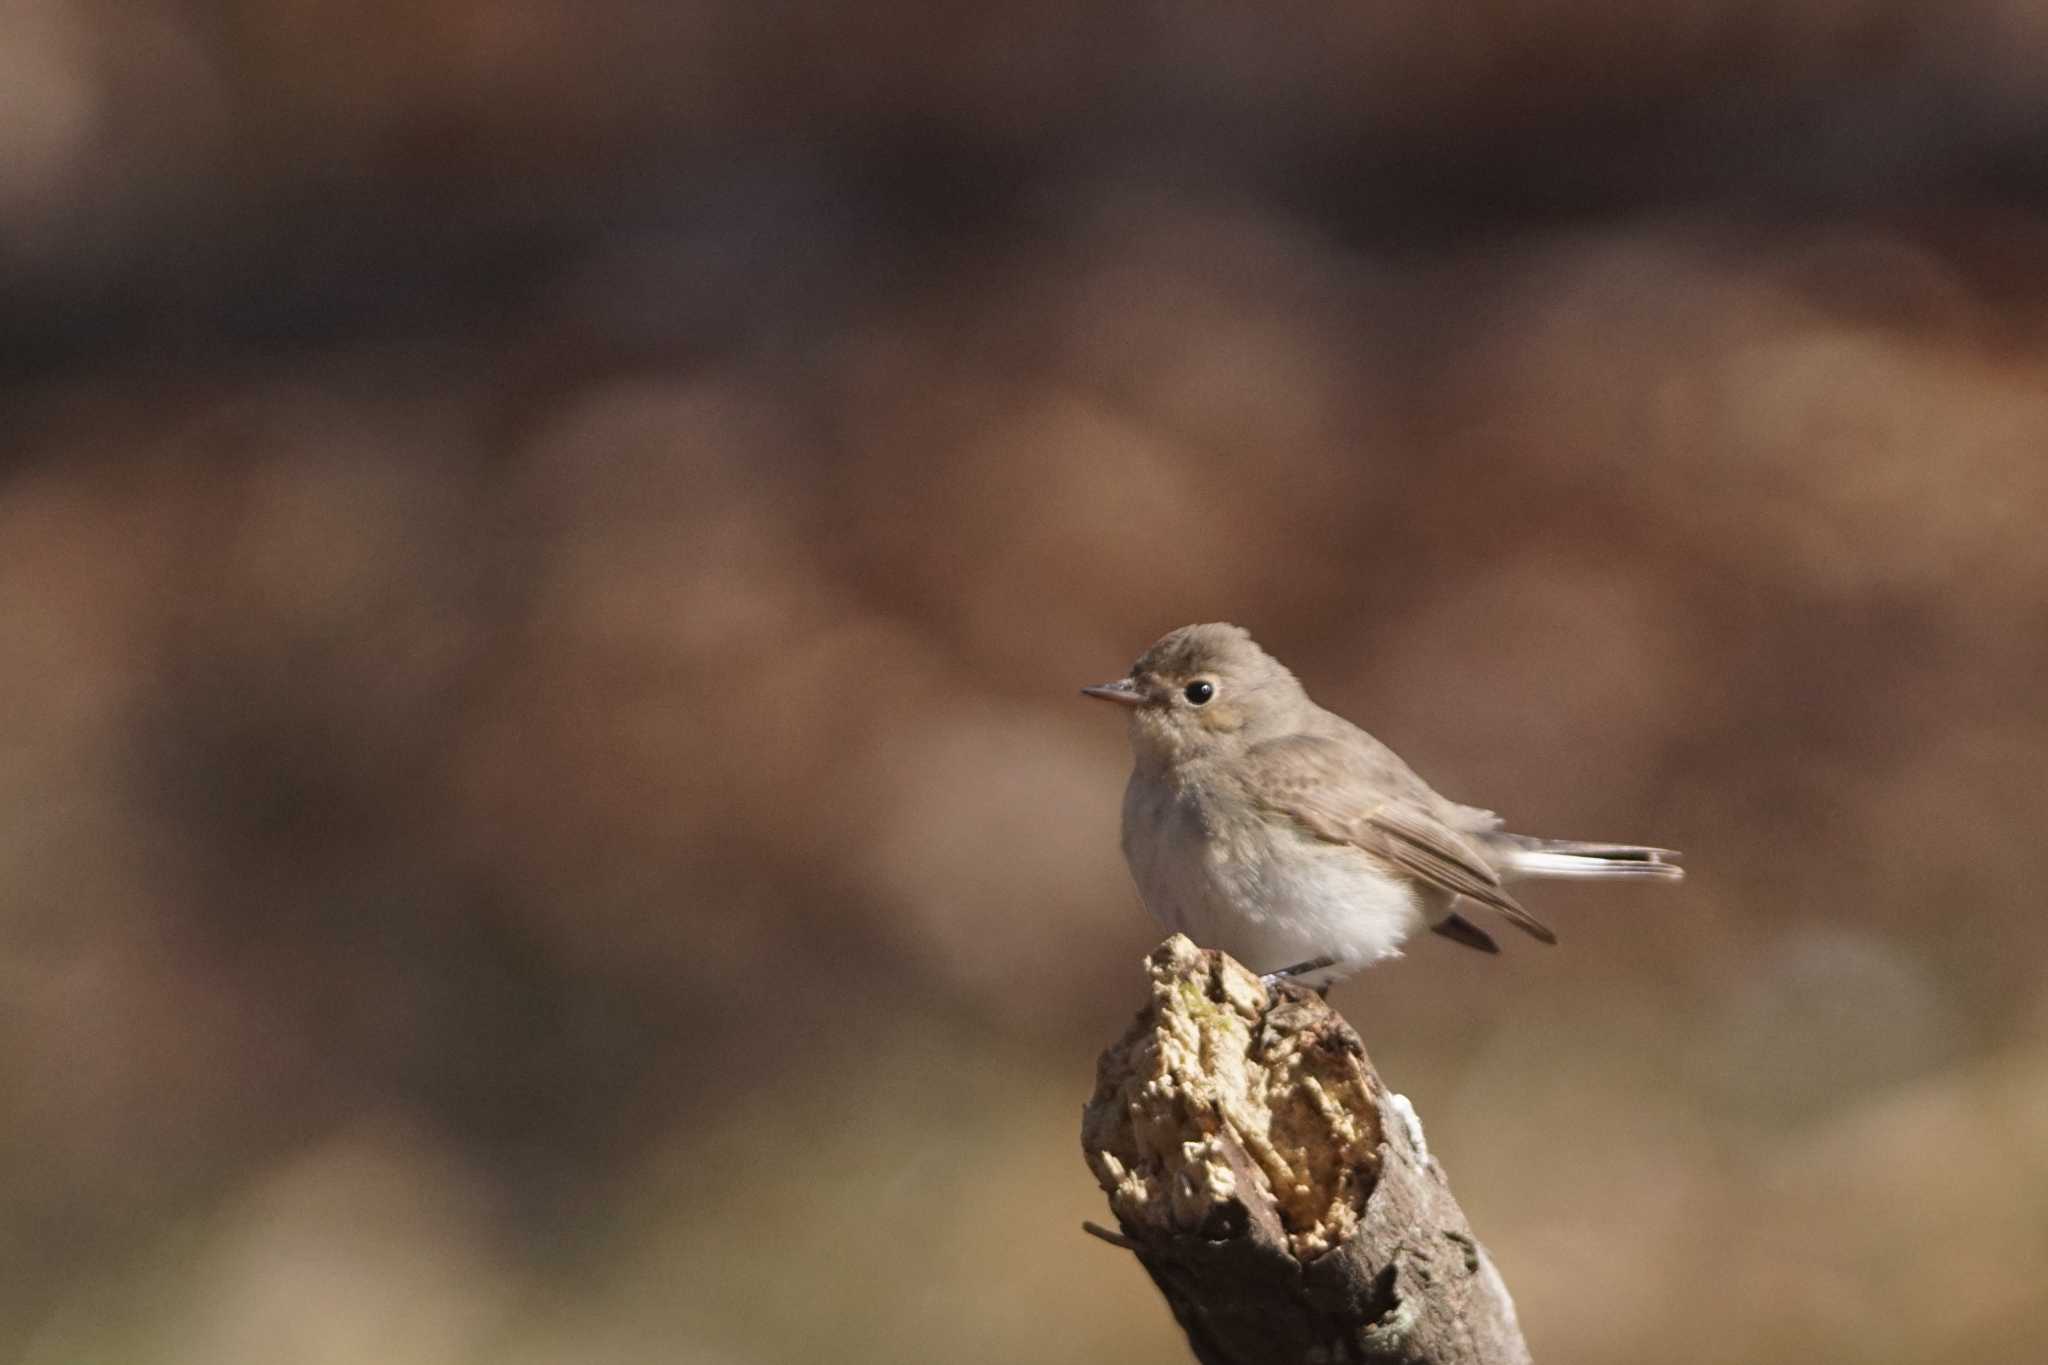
x=1199 y=692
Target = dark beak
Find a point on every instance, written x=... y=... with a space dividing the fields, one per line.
x=1123 y=691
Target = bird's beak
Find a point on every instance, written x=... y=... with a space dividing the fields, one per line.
x=1124 y=691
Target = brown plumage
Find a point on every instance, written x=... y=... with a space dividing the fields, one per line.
x=1285 y=834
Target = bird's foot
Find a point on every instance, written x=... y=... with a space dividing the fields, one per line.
x=1315 y=964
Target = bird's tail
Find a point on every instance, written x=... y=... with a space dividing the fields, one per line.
x=1518 y=855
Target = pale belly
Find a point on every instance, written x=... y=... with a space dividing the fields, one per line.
x=1273 y=899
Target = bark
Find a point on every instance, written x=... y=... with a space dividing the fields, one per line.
x=1280 y=1196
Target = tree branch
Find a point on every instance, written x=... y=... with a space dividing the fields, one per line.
x=1280 y=1196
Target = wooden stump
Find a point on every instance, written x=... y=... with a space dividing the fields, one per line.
x=1280 y=1196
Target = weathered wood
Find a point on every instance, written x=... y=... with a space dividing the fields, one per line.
x=1280 y=1196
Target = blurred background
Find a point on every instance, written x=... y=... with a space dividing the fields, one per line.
x=547 y=548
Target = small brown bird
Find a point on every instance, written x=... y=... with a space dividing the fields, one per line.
x=1259 y=823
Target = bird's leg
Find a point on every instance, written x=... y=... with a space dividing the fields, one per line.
x=1314 y=964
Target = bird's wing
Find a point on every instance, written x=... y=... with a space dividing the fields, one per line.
x=1367 y=798
x=1471 y=819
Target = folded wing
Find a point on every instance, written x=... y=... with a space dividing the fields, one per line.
x=1369 y=799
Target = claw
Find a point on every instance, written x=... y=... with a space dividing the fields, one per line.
x=1315 y=964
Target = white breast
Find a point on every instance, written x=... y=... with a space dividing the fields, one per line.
x=1269 y=897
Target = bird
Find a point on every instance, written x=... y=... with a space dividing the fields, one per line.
x=1257 y=822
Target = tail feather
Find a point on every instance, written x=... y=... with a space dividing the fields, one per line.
x=1521 y=856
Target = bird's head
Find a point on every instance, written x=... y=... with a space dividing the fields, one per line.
x=1203 y=692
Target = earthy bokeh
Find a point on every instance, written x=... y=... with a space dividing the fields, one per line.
x=547 y=547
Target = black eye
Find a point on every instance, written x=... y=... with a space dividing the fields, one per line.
x=1199 y=692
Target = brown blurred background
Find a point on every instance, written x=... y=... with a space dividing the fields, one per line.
x=546 y=550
